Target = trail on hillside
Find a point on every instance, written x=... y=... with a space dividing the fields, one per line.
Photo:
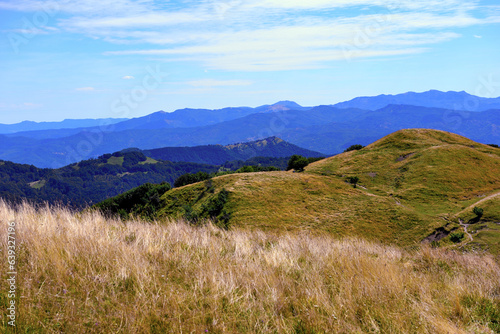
x=470 y=207
x=465 y=228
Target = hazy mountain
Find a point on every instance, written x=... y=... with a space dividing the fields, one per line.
x=433 y=98
x=280 y=106
x=66 y=124
x=324 y=129
x=181 y=118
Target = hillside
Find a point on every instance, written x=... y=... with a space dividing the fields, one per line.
x=412 y=182
x=85 y=273
x=91 y=181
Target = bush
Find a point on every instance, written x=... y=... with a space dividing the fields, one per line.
x=456 y=236
x=189 y=178
x=355 y=147
x=190 y=215
x=246 y=169
x=143 y=200
x=353 y=180
x=298 y=163
x=477 y=211
x=213 y=209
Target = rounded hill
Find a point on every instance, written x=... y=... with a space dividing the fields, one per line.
x=411 y=183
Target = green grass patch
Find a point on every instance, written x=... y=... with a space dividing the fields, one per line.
x=115 y=160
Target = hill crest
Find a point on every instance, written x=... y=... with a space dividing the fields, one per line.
x=411 y=183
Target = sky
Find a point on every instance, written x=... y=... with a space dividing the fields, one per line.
x=122 y=59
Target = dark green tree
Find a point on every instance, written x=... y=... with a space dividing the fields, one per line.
x=297 y=163
x=456 y=236
x=353 y=180
x=478 y=212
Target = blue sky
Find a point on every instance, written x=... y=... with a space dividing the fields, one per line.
x=120 y=58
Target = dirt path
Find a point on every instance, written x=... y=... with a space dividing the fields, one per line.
x=470 y=207
x=465 y=228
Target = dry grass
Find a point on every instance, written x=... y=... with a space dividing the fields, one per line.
x=81 y=273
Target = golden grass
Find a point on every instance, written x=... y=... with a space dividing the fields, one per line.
x=82 y=273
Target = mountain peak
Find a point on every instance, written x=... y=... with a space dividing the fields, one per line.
x=287 y=103
x=432 y=99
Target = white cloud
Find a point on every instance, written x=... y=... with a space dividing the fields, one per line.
x=259 y=34
x=85 y=89
x=477 y=36
x=20 y=106
x=54 y=7
x=128 y=77
x=217 y=83
x=144 y=20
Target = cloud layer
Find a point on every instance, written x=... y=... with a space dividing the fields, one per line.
x=266 y=35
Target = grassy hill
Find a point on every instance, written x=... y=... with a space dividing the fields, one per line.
x=84 y=273
x=412 y=182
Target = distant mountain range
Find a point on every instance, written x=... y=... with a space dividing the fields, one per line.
x=327 y=129
x=432 y=99
x=66 y=124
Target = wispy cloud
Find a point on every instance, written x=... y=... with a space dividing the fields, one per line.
x=85 y=89
x=253 y=35
x=217 y=83
x=20 y=106
x=128 y=77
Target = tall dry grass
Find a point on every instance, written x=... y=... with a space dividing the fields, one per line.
x=82 y=273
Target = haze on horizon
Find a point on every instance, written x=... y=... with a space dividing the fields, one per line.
x=86 y=59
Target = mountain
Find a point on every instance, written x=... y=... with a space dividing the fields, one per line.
x=432 y=99
x=181 y=118
x=325 y=129
x=411 y=184
x=91 y=181
x=57 y=152
x=281 y=106
x=218 y=154
x=66 y=124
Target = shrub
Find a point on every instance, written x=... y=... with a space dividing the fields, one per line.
x=298 y=163
x=189 y=178
x=144 y=200
x=478 y=211
x=456 y=236
x=246 y=169
x=355 y=147
x=190 y=215
x=353 y=180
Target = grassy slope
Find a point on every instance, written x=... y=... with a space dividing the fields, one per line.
x=486 y=232
x=410 y=178
x=83 y=273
